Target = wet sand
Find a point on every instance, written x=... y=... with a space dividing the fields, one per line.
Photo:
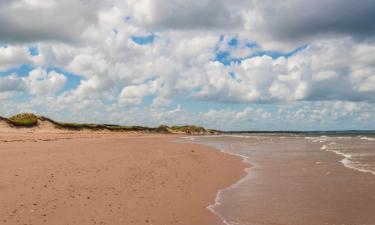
x=110 y=179
x=293 y=182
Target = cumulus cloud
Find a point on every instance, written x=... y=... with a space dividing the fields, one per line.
x=222 y=52
x=12 y=83
x=12 y=56
x=326 y=70
x=41 y=82
x=38 y=82
x=33 y=20
x=134 y=94
x=179 y=14
x=299 y=21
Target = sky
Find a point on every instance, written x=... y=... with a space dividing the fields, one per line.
x=229 y=65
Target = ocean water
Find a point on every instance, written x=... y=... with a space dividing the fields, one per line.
x=298 y=179
x=358 y=151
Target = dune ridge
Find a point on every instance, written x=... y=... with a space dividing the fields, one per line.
x=38 y=122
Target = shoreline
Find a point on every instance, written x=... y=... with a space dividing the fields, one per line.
x=294 y=182
x=174 y=183
x=248 y=165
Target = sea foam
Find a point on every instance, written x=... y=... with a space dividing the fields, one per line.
x=348 y=160
x=367 y=138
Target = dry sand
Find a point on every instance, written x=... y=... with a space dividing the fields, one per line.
x=90 y=178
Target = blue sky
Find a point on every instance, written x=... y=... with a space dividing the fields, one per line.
x=190 y=66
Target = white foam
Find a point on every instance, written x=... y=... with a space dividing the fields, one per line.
x=347 y=160
x=347 y=156
x=190 y=138
x=320 y=139
x=242 y=136
x=345 y=137
x=367 y=138
x=229 y=135
x=349 y=164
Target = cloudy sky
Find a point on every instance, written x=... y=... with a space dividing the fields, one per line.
x=232 y=65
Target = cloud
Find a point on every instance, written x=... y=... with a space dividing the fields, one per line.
x=179 y=14
x=24 y=21
x=12 y=83
x=13 y=56
x=38 y=82
x=134 y=94
x=41 y=82
x=300 y=21
x=153 y=55
x=331 y=69
x=336 y=69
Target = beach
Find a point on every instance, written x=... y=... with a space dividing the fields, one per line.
x=83 y=177
x=173 y=112
x=110 y=178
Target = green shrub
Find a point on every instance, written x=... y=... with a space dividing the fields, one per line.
x=188 y=129
x=24 y=119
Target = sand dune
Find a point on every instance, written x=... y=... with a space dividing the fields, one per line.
x=32 y=122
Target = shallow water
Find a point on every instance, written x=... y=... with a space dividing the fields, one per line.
x=358 y=151
x=299 y=179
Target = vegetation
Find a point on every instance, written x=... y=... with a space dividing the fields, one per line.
x=31 y=120
x=78 y=126
x=162 y=129
x=81 y=126
x=24 y=120
x=189 y=129
x=213 y=131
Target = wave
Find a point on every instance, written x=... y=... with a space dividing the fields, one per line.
x=366 y=138
x=348 y=160
x=324 y=138
x=349 y=164
x=318 y=139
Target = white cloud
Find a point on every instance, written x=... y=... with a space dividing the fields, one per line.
x=41 y=82
x=11 y=83
x=93 y=40
x=284 y=24
x=326 y=70
x=134 y=94
x=33 y=21
x=38 y=82
x=178 y=14
x=13 y=56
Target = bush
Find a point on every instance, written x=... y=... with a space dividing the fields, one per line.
x=189 y=129
x=24 y=120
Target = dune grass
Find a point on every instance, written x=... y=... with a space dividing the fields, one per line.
x=24 y=120
x=31 y=120
x=189 y=129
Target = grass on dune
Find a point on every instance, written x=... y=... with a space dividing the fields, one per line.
x=24 y=119
x=31 y=120
x=80 y=126
x=193 y=129
x=188 y=129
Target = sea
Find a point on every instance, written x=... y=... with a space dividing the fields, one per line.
x=302 y=178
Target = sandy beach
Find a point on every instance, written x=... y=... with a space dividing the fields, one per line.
x=110 y=178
